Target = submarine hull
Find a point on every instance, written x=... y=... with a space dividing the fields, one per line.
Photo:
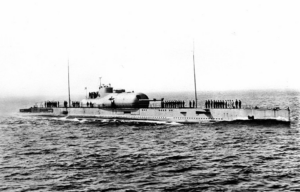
x=179 y=115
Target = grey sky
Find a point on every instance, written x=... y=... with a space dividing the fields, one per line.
x=147 y=45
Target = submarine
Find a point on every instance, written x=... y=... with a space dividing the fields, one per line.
x=116 y=104
x=108 y=103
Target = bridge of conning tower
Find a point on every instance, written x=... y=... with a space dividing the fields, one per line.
x=106 y=90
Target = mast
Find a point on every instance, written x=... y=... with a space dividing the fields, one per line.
x=100 y=82
x=69 y=85
x=194 y=75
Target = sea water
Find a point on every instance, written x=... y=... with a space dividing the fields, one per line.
x=60 y=154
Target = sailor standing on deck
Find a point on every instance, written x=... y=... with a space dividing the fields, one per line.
x=193 y=103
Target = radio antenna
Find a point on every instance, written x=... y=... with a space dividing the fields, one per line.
x=69 y=84
x=194 y=74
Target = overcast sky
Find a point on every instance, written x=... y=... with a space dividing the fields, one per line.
x=148 y=45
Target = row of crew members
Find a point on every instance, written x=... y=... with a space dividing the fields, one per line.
x=172 y=104
x=223 y=104
x=176 y=104
x=75 y=103
x=192 y=104
x=93 y=95
x=78 y=104
x=105 y=86
x=51 y=104
x=89 y=104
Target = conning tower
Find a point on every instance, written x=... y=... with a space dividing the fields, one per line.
x=107 y=97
